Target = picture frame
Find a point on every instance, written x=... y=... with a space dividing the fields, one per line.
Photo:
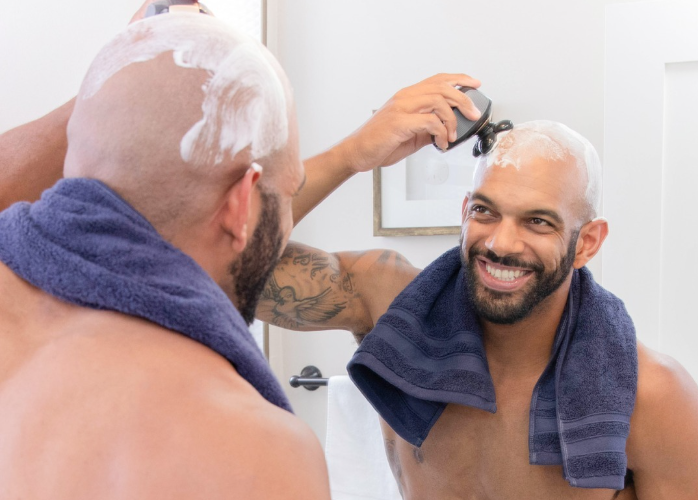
x=422 y=195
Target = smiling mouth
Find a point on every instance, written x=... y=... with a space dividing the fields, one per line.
x=504 y=274
x=502 y=278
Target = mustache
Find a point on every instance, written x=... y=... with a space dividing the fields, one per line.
x=504 y=261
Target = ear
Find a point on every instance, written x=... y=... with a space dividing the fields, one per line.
x=237 y=210
x=591 y=236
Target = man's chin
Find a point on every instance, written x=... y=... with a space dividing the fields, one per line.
x=501 y=308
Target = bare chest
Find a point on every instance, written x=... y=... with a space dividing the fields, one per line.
x=471 y=454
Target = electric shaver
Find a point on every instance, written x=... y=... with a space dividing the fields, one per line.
x=482 y=127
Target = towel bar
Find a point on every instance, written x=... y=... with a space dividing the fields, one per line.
x=310 y=378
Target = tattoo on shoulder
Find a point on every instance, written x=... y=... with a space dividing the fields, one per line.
x=302 y=259
x=388 y=256
x=384 y=257
x=288 y=310
x=319 y=262
x=400 y=261
x=347 y=285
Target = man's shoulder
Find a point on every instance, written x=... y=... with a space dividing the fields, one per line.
x=661 y=377
x=222 y=433
x=181 y=411
x=663 y=442
x=238 y=444
x=384 y=274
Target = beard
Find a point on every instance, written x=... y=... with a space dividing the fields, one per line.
x=254 y=266
x=505 y=308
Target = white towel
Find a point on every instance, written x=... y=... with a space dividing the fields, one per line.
x=356 y=460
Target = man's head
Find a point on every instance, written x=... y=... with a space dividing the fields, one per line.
x=193 y=124
x=530 y=218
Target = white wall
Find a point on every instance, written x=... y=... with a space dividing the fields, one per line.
x=536 y=59
x=47 y=46
x=45 y=49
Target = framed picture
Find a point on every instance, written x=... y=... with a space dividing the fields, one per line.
x=423 y=194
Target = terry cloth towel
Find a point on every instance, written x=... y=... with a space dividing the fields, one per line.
x=85 y=245
x=427 y=351
x=356 y=458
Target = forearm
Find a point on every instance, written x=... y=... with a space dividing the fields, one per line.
x=32 y=156
x=411 y=119
x=324 y=173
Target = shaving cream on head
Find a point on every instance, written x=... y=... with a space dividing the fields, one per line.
x=552 y=141
x=244 y=99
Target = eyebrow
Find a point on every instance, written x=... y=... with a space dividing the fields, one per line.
x=552 y=214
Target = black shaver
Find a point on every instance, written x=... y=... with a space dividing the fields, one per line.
x=482 y=127
x=163 y=6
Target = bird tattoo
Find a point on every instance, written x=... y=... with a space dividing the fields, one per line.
x=289 y=311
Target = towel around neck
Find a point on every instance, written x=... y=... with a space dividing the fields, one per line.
x=427 y=351
x=85 y=245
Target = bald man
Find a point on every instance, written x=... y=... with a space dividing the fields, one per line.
x=95 y=403
x=530 y=225
x=127 y=370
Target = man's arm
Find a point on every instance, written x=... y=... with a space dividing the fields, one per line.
x=405 y=124
x=31 y=156
x=663 y=442
x=315 y=290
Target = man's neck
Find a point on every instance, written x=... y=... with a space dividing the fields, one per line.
x=523 y=349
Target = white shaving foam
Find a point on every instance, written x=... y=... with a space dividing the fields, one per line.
x=552 y=141
x=244 y=99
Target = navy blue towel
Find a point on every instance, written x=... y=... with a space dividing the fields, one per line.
x=427 y=351
x=85 y=245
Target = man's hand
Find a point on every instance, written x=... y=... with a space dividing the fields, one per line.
x=407 y=122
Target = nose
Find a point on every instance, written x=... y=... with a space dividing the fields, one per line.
x=505 y=239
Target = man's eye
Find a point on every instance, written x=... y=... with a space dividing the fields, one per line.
x=479 y=209
x=537 y=221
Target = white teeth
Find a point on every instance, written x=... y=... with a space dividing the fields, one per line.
x=503 y=274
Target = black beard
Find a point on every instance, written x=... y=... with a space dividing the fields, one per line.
x=500 y=307
x=252 y=269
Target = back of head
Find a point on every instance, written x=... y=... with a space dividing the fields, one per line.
x=555 y=143
x=173 y=110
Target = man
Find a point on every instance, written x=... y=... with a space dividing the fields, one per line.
x=529 y=226
x=116 y=377
x=89 y=409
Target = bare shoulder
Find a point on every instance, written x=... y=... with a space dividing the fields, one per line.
x=663 y=379
x=197 y=427
x=385 y=273
x=241 y=446
x=138 y=411
x=663 y=441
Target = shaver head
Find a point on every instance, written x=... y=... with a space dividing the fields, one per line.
x=487 y=136
x=164 y=6
x=482 y=127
